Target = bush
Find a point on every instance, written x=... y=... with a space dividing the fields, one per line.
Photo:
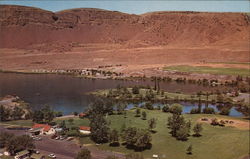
x=149 y=106
x=83 y=154
x=224 y=111
x=194 y=111
x=176 y=109
x=135 y=90
x=208 y=110
x=165 y=108
x=214 y=122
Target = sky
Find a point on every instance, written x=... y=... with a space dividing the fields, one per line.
x=138 y=6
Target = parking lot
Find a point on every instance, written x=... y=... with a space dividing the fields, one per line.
x=63 y=149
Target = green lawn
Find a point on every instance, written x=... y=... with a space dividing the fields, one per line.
x=210 y=70
x=242 y=63
x=143 y=91
x=215 y=142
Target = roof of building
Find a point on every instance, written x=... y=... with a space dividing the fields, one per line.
x=82 y=114
x=86 y=128
x=45 y=127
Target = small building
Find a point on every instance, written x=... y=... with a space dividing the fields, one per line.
x=42 y=129
x=84 y=130
x=22 y=154
x=82 y=115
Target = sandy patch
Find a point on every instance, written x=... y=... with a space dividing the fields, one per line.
x=229 y=122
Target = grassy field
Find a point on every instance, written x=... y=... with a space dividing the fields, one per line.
x=210 y=70
x=215 y=142
x=143 y=91
x=236 y=63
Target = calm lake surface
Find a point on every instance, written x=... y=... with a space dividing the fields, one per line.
x=69 y=94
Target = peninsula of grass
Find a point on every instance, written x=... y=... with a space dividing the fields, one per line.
x=209 y=70
x=147 y=94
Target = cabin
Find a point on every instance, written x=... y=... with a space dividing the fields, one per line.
x=82 y=115
x=22 y=154
x=42 y=129
x=85 y=130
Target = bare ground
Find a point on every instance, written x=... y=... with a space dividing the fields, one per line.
x=147 y=61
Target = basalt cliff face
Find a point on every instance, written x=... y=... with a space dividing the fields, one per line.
x=22 y=27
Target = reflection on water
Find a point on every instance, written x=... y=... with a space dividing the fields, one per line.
x=68 y=94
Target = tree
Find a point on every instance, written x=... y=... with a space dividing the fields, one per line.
x=138 y=112
x=19 y=143
x=225 y=111
x=165 y=108
x=62 y=125
x=4 y=113
x=179 y=127
x=144 y=115
x=149 y=106
x=143 y=140
x=114 y=138
x=190 y=150
x=37 y=116
x=208 y=110
x=138 y=139
x=83 y=154
x=182 y=133
x=152 y=124
x=4 y=138
x=99 y=129
x=48 y=114
x=176 y=109
x=135 y=90
x=71 y=121
x=17 y=113
x=197 y=129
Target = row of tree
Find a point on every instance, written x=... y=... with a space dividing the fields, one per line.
x=14 y=144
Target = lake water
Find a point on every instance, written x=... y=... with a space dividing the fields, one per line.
x=69 y=94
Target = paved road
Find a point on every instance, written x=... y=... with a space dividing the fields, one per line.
x=61 y=148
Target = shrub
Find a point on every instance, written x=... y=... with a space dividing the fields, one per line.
x=194 y=111
x=214 y=122
x=83 y=154
x=165 y=108
x=208 y=110
x=149 y=106
x=176 y=109
x=224 y=111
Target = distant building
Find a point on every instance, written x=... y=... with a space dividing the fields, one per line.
x=42 y=129
x=82 y=115
x=84 y=130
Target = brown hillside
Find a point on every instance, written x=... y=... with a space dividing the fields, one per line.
x=25 y=26
x=32 y=38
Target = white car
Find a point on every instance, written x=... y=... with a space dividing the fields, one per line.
x=52 y=155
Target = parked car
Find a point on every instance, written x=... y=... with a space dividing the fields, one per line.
x=52 y=155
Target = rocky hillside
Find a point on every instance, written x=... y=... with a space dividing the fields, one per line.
x=22 y=27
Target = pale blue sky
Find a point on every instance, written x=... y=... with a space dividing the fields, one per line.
x=139 y=7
